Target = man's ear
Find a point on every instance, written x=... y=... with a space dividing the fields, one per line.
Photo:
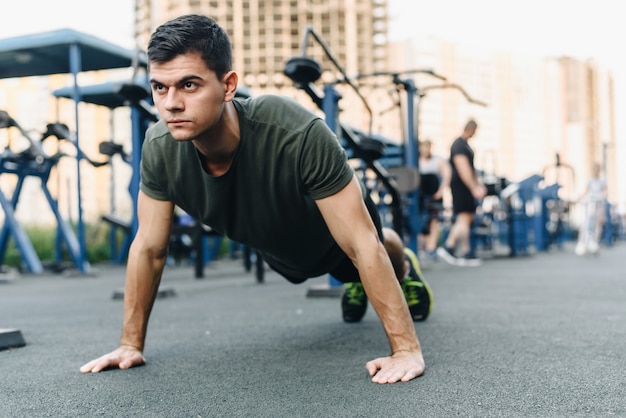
x=230 y=80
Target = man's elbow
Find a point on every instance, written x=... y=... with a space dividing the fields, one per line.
x=148 y=250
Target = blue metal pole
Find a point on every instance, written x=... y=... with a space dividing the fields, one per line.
x=22 y=242
x=75 y=68
x=138 y=132
x=65 y=233
x=411 y=160
x=7 y=227
x=330 y=106
x=539 y=222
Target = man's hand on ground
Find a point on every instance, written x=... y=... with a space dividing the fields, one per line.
x=402 y=366
x=124 y=357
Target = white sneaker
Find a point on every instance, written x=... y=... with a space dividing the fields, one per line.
x=580 y=249
x=448 y=257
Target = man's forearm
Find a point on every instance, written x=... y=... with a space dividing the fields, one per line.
x=385 y=294
x=142 y=282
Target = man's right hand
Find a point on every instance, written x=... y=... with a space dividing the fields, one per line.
x=479 y=192
x=124 y=357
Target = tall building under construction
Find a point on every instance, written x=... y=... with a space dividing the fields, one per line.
x=265 y=33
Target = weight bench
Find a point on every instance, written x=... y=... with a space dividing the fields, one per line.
x=117 y=221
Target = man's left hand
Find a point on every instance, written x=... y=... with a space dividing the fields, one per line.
x=402 y=366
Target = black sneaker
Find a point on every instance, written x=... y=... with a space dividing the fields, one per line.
x=416 y=290
x=353 y=302
x=448 y=256
x=470 y=261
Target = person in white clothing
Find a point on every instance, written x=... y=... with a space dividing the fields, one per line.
x=594 y=203
x=435 y=175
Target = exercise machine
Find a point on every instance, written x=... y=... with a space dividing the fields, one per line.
x=34 y=162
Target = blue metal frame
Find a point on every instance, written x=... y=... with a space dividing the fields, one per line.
x=65 y=234
x=406 y=155
x=22 y=242
x=75 y=68
x=330 y=107
x=139 y=125
x=411 y=160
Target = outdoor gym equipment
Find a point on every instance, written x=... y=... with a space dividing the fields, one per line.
x=11 y=338
x=62 y=132
x=34 y=162
x=65 y=51
x=114 y=95
x=528 y=209
x=407 y=171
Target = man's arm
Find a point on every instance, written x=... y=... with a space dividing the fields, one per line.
x=146 y=259
x=351 y=226
x=468 y=176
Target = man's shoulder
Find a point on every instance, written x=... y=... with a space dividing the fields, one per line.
x=272 y=107
x=156 y=131
x=460 y=144
x=269 y=99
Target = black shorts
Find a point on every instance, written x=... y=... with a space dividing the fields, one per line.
x=462 y=200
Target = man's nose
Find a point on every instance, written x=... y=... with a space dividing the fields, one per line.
x=173 y=100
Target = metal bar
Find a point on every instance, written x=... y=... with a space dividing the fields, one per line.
x=75 y=68
x=65 y=231
x=22 y=242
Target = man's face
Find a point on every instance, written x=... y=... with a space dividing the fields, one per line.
x=471 y=130
x=188 y=96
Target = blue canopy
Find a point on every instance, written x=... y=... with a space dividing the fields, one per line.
x=111 y=94
x=50 y=53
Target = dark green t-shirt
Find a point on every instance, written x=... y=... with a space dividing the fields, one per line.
x=286 y=159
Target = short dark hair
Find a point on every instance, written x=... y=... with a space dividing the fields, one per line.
x=192 y=33
x=471 y=124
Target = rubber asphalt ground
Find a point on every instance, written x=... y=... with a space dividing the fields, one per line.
x=535 y=336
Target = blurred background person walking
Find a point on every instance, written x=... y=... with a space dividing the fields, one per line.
x=594 y=204
x=435 y=175
x=467 y=190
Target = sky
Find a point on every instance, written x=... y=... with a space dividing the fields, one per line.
x=584 y=29
x=581 y=28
